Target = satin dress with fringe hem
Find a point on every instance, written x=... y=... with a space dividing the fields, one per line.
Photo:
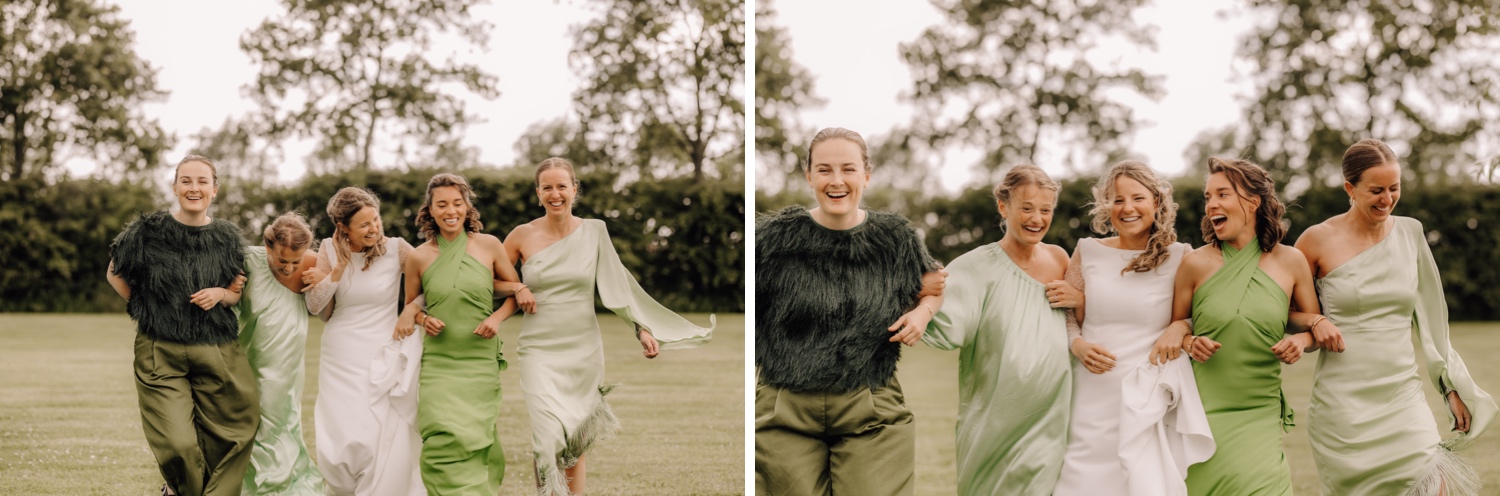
x=562 y=352
x=1371 y=429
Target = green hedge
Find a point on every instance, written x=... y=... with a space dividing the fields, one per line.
x=681 y=238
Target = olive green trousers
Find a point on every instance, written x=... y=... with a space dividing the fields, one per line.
x=859 y=443
x=200 y=410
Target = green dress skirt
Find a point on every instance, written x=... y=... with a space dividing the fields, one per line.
x=273 y=332
x=1242 y=308
x=1015 y=377
x=459 y=403
x=1371 y=429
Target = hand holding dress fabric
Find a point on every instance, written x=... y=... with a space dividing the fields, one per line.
x=1170 y=345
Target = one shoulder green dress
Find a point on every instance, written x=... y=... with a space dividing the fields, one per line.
x=273 y=332
x=1371 y=429
x=1243 y=309
x=459 y=403
x=562 y=352
x=1015 y=377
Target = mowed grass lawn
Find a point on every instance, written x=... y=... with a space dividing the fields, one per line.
x=70 y=425
x=929 y=378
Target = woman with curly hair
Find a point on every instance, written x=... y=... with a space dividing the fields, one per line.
x=1126 y=282
x=455 y=271
x=564 y=258
x=366 y=439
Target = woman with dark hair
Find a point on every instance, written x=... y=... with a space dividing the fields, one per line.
x=366 y=437
x=273 y=331
x=563 y=259
x=455 y=272
x=829 y=413
x=1127 y=280
x=199 y=405
x=1238 y=289
x=1371 y=430
x=1014 y=377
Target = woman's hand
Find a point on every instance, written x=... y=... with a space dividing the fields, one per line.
x=525 y=300
x=1170 y=345
x=433 y=325
x=1202 y=348
x=910 y=327
x=207 y=298
x=649 y=346
x=238 y=284
x=1460 y=412
x=934 y=282
x=489 y=327
x=406 y=324
x=1289 y=349
x=314 y=275
x=1060 y=294
x=1328 y=336
x=1094 y=357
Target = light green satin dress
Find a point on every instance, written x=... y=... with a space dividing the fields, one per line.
x=562 y=352
x=1371 y=430
x=273 y=332
x=1243 y=309
x=1014 y=375
x=459 y=403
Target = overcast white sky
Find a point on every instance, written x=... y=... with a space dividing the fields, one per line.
x=1194 y=51
x=195 y=47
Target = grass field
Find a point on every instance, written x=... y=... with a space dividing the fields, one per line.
x=69 y=422
x=929 y=378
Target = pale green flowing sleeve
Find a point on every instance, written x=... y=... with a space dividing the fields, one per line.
x=622 y=295
x=1443 y=363
x=963 y=305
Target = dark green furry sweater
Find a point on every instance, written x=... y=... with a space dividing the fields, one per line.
x=824 y=298
x=164 y=262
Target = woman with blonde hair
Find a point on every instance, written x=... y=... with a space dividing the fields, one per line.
x=366 y=437
x=564 y=259
x=1014 y=377
x=1127 y=281
x=1371 y=430
x=273 y=331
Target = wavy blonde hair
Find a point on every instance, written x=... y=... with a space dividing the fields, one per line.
x=1163 y=232
x=341 y=209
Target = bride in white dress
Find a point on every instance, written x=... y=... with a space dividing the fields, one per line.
x=367 y=441
x=1127 y=285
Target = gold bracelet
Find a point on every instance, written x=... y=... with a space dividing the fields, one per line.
x=930 y=312
x=1314 y=325
x=423 y=323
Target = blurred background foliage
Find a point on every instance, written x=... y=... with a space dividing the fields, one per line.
x=660 y=156
x=1006 y=77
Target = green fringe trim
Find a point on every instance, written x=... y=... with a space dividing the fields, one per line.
x=599 y=426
